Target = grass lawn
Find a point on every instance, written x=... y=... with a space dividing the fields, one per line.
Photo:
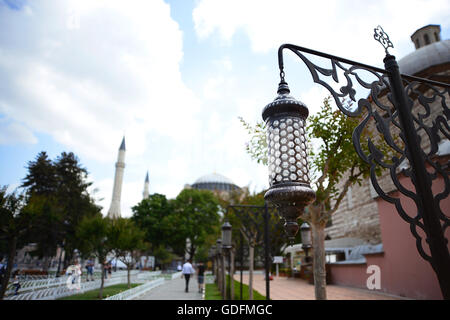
x=107 y=292
x=212 y=292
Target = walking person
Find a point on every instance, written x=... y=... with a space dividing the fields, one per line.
x=200 y=276
x=105 y=269
x=187 y=271
x=89 y=270
x=16 y=284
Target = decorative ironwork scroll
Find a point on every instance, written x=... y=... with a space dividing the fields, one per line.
x=426 y=102
x=382 y=38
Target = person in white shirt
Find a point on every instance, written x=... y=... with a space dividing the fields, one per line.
x=187 y=271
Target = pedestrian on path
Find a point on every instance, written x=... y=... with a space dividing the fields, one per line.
x=200 y=276
x=90 y=270
x=187 y=271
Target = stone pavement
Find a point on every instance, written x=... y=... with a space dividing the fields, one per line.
x=174 y=290
x=283 y=288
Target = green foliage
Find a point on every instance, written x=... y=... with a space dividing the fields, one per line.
x=336 y=153
x=127 y=240
x=257 y=146
x=212 y=292
x=168 y=223
x=196 y=216
x=151 y=215
x=56 y=193
x=15 y=222
x=95 y=235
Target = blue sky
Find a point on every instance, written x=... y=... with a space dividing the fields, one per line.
x=173 y=77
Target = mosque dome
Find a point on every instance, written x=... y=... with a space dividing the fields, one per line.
x=435 y=54
x=432 y=55
x=214 y=182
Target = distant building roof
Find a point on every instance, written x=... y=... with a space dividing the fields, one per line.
x=214 y=182
x=343 y=243
x=423 y=58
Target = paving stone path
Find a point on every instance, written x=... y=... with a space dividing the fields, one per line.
x=282 y=288
x=174 y=290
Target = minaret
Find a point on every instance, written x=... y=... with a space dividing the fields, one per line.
x=114 y=210
x=146 y=193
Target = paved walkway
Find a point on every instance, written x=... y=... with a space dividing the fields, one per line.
x=174 y=290
x=283 y=288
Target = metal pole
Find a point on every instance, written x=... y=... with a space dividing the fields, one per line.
x=223 y=275
x=266 y=249
x=440 y=258
x=229 y=273
x=242 y=263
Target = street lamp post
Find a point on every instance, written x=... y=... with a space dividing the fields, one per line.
x=219 y=264
x=289 y=186
x=227 y=245
x=246 y=213
x=212 y=255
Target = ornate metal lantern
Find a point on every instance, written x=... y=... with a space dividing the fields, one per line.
x=226 y=235
x=289 y=190
x=305 y=231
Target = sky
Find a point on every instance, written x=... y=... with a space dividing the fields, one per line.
x=173 y=77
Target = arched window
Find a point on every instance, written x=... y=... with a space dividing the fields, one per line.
x=427 y=39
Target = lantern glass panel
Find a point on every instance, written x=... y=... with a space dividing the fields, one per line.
x=286 y=150
x=226 y=237
x=306 y=236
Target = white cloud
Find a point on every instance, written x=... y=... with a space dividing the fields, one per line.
x=88 y=72
x=94 y=70
x=343 y=27
x=14 y=133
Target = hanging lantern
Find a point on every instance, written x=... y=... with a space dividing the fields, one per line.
x=289 y=190
x=226 y=235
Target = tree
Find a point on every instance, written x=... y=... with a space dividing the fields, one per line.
x=57 y=193
x=41 y=186
x=15 y=221
x=334 y=163
x=151 y=216
x=95 y=234
x=196 y=216
x=128 y=243
x=73 y=197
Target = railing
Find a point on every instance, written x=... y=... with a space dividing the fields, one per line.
x=33 y=285
x=175 y=275
x=148 y=275
x=57 y=287
x=139 y=290
x=64 y=290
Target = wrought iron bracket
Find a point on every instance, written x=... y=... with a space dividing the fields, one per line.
x=400 y=106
